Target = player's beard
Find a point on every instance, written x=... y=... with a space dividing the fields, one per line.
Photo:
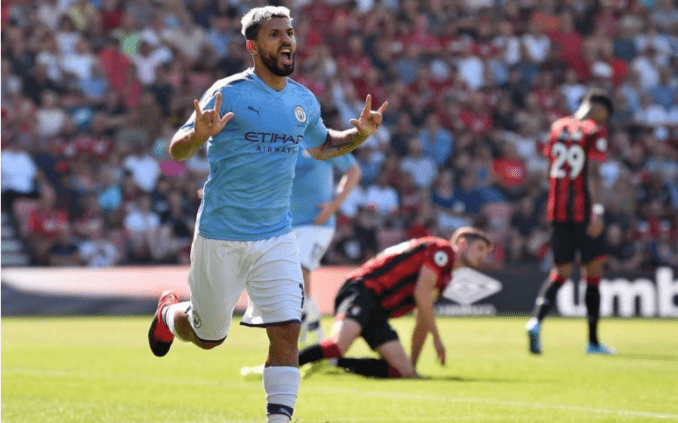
x=271 y=62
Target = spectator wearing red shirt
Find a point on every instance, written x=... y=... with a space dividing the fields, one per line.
x=484 y=46
x=355 y=61
x=111 y=15
x=114 y=64
x=510 y=172
x=320 y=14
x=44 y=223
x=476 y=117
x=546 y=90
x=422 y=36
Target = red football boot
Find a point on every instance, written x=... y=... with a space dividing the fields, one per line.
x=159 y=336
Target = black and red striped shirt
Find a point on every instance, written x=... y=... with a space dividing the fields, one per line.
x=392 y=275
x=572 y=143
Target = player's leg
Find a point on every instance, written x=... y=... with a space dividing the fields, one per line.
x=400 y=364
x=313 y=242
x=352 y=309
x=593 y=255
x=281 y=374
x=275 y=289
x=206 y=318
x=344 y=332
x=310 y=315
x=562 y=244
x=382 y=338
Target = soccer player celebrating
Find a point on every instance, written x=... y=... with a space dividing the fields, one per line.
x=576 y=147
x=401 y=278
x=254 y=124
x=313 y=207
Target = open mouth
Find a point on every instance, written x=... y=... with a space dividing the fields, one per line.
x=286 y=56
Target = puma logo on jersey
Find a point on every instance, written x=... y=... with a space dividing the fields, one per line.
x=254 y=110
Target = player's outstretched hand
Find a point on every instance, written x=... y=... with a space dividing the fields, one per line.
x=207 y=122
x=369 y=120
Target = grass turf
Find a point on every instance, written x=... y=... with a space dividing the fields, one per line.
x=100 y=369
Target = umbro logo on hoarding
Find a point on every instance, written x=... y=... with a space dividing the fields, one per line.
x=469 y=286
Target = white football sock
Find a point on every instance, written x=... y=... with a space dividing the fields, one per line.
x=311 y=310
x=281 y=385
x=170 y=312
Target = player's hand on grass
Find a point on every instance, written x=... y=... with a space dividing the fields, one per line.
x=369 y=120
x=440 y=350
x=207 y=122
x=595 y=227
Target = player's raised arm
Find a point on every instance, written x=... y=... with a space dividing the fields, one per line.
x=342 y=142
x=207 y=123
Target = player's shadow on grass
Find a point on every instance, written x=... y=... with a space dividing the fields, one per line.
x=654 y=357
x=449 y=378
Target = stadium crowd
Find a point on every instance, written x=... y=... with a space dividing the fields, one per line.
x=92 y=91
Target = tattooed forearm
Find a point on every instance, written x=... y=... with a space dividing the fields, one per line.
x=337 y=144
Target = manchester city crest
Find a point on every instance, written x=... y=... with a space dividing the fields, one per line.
x=300 y=114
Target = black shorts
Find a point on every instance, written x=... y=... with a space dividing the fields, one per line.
x=356 y=302
x=568 y=237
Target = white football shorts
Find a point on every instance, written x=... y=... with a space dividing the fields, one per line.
x=270 y=271
x=313 y=243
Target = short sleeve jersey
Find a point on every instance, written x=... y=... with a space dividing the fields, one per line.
x=247 y=194
x=572 y=143
x=392 y=274
x=314 y=184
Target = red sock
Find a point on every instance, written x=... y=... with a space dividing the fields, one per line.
x=556 y=278
x=330 y=348
x=393 y=372
x=593 y=281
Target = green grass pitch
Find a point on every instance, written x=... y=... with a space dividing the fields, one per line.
x=101 y=370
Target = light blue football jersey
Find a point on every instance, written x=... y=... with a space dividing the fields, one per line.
x=247 y=193
x=314 y=184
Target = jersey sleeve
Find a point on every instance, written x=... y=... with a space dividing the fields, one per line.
x=598 y=145
x=343 y=163
x=316 y=132
x=439 y=259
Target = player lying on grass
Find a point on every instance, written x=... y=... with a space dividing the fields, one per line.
x=406 y=276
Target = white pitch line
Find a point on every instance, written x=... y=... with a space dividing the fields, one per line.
x=334 y=391
x=503 y=403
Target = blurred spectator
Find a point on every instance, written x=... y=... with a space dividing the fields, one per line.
x=128 y=34
x=437 y=142
x=510 y=172
x=90 y=89
x=176 y=232
x=143 y=167
x=51 y=118
x=64 y=251
x=622 y=256
x=142 y=226
x=44 y=224
x=536 y=43
x=188 y=38
x=96 y=250
x=381 y=197
x=421 y=168
x=19 y=173
x=663 y=250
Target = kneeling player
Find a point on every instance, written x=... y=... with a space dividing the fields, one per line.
x=403 y=277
